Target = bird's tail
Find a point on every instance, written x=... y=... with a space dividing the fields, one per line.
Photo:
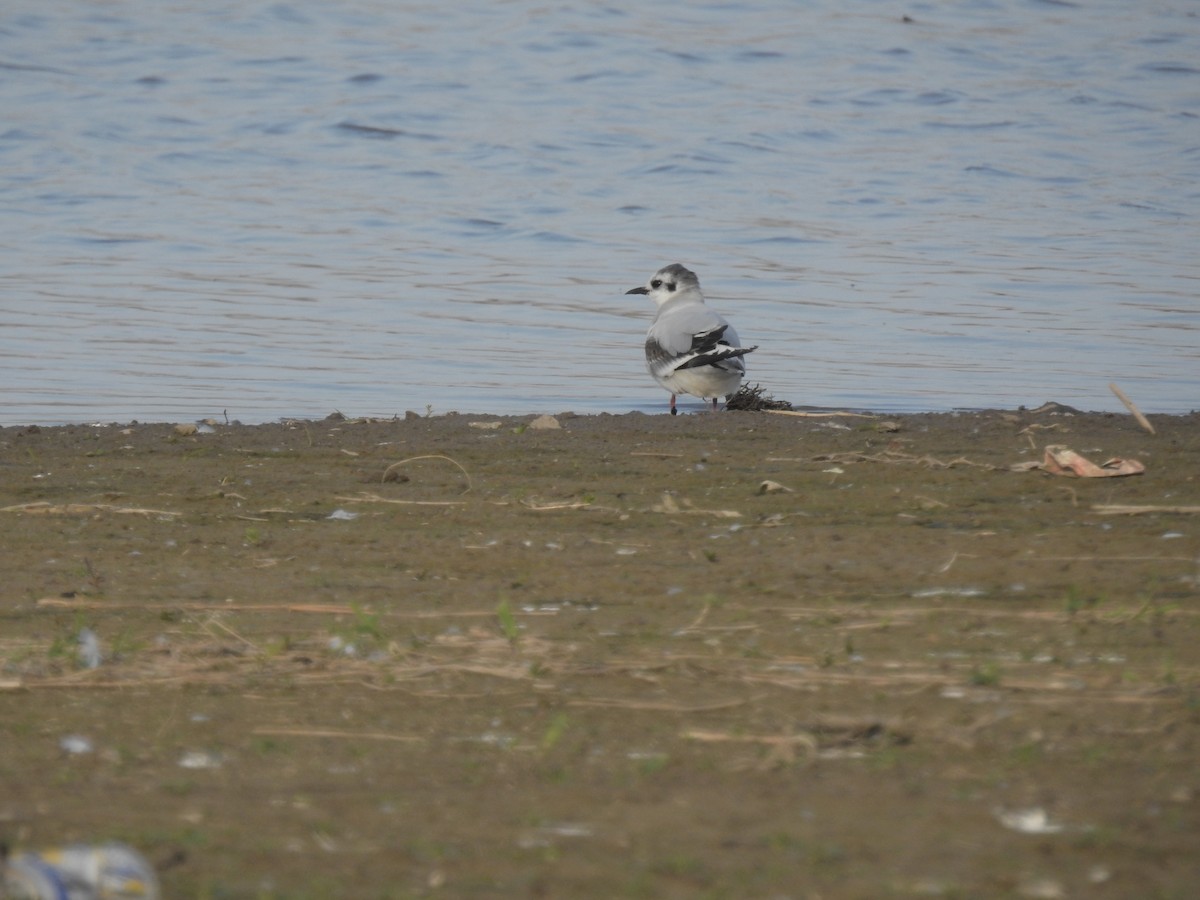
x=718 y=354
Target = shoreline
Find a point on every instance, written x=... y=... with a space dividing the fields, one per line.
x=628 y=655
x=686 y=409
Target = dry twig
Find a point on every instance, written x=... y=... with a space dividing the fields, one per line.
x=1137 y=413
x=364 y=497
x=388 y=471
x=45 y=508
x=1120 y=510
x=332 y=733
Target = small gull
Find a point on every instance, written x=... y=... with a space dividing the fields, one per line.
x=690 y=349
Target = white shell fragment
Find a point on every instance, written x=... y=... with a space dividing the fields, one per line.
x=200 y=759
x=774 y=487
x=1028 y=821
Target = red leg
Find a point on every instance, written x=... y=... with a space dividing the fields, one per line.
x=673 y=410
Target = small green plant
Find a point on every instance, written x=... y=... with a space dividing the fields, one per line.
x=508 y=622
x=653 y=764
x=125 y=643
x=680 y=865
x=63 y=645
x=277 y=646
x=366 y=624
x=360 y=635
x=178 y=787
x=95 y=581
x=1028 y=753
x=1168 y=672
x=1077 y=601
x=985 y=675
x=267 y=745
x=554 y=731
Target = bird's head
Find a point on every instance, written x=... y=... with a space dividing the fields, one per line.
x=668 y=283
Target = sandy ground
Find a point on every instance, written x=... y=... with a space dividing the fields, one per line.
x=733 y=655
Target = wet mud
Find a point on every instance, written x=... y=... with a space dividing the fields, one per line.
x=725 y=655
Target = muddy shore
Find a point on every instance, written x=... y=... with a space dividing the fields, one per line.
x=724 y=655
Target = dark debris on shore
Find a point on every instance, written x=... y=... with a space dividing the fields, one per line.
x=754 y=398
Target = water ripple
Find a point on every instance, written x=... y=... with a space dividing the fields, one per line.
x=281 y=210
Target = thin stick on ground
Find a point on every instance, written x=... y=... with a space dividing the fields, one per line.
x=46 y=508
x=651 y=706
x=698 y=621
x=1137 y=413
x=214 y=622
x=365 y=497
x=324 y=609
x=332 y=733
x=389 y=469
x=1119 y=510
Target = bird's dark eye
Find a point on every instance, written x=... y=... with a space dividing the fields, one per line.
x=656 y=283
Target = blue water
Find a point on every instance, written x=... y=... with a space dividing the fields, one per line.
x=282 y=209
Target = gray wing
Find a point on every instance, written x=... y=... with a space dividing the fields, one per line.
x=692 y=336
x=676 y=327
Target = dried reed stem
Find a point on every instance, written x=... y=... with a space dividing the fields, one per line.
x=454 y=462
x=331 y=733
x=1137 y=413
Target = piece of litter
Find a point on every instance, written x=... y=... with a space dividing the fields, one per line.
x=543 y=836
x=89 y=649
x=76 y=743
x=79 y=871
x=486 y=426
x=1061 y=460
x=200 y=759
x=773 y=487
x=343 y=515
x=1042 y=889
x=1028 y=821
x=568 y=829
